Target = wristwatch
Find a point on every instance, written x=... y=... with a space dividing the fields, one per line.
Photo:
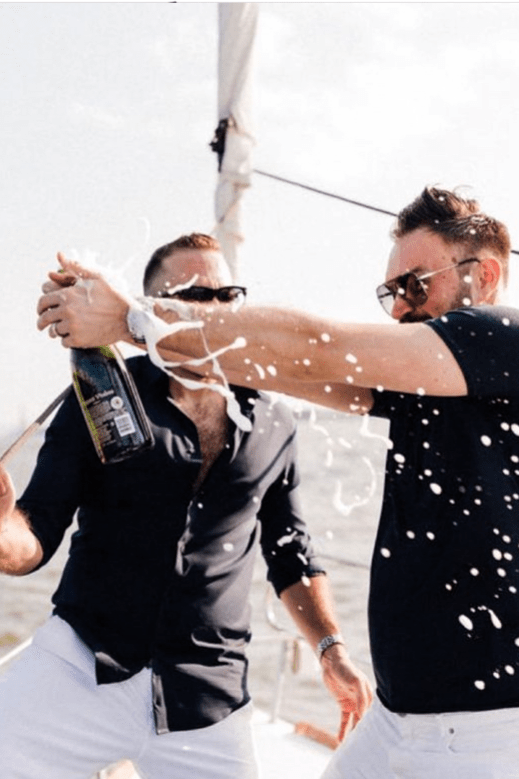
x=136 y=316
x=328 y=641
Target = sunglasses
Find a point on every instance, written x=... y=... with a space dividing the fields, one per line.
x=206 y=294
x=410 y=287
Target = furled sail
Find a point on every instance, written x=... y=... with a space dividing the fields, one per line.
x=234 y=138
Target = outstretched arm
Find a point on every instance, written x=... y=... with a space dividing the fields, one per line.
x=278 y=348
x=310 y=605
x=20 y=550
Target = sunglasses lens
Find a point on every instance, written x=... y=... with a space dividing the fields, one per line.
x=194 y=294
x=415 y=290
x=386 y=298
x=206 y=294
x=230 y=294
x=409 y=287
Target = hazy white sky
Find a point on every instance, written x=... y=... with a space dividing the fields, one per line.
x=108 y=109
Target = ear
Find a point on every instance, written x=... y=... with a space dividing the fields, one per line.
x=489 y=275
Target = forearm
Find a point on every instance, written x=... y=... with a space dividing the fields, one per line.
x=312 y=610
x=310 y=605
x=276 y=348
x=20 y=550
x=264 y=346
x=275 y=345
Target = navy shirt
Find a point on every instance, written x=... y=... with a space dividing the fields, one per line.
x=444 y=608
x=156 y=574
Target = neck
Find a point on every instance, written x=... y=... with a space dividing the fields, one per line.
x=185 y=397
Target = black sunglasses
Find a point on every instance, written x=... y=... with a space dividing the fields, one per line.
x=411 y=287
x=206 y=294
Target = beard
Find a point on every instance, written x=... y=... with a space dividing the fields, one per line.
x=462 y=299
x=415 y=316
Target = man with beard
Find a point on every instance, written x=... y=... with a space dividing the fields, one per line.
x=443 y=606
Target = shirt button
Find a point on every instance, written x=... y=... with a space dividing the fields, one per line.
x=451 y=730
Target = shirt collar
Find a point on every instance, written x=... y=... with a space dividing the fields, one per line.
x=245 y=396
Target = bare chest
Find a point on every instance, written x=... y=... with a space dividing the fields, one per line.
x=212 y=429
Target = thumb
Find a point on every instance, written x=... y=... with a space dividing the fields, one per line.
x=73 y=269
x=59 y=279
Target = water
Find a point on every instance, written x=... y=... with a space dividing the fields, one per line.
x=342 y=469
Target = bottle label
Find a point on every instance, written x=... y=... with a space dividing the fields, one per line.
x=110 y=404
x=106 y=410
x=124 y=425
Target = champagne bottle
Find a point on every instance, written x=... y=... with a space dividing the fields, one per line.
x=110 y=403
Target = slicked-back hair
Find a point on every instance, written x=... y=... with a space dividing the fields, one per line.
x=191 y=241
x=457 y=220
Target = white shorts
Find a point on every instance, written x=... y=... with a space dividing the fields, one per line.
x=462 y=745
x=57 y=723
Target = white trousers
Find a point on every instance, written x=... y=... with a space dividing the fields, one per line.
x=57 y=723
x=463 y=745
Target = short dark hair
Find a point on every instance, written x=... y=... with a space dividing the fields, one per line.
x=457 y=220
x=191 y=241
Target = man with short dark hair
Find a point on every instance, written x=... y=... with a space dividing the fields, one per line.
x=145 y=654
x=443 y=607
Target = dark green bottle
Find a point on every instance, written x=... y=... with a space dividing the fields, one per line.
x=110 y=403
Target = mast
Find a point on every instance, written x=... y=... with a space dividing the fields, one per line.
x=233 y=141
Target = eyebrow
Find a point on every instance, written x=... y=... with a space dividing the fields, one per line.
x=416 y=271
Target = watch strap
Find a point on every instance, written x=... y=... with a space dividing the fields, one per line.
x=328 y=641
x=135 y=318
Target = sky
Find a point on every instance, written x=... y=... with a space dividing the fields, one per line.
x=107 y=114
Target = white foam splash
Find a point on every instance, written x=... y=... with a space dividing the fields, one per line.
x=155 y=329
x=113 y=275
x=366 y=432
x=312 y=419
x=284 y=540
x=345 y=509
x=495 y=619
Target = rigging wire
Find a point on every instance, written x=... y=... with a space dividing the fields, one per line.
x=322 y=192
x=330 y=194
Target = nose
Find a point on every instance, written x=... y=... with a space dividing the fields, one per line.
x=400 y=307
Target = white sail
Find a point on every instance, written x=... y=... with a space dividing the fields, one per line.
x=237 y=27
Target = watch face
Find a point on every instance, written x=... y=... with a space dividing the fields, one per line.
x=326 y=642
x=133 y=326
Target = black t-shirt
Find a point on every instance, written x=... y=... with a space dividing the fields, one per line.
x=444 y=607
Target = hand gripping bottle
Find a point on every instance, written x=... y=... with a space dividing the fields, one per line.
x=110 y=403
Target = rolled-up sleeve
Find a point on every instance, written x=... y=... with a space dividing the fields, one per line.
x=285 y=540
